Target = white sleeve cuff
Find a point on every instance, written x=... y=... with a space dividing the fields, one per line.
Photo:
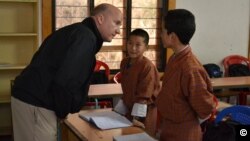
x=139 y=110
x=202 y=120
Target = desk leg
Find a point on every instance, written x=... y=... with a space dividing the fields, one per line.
x=67 y=134
x=64 y=132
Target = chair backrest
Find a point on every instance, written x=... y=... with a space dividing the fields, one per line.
x=99 y=64
x=237 y=113
x=234 y=59
x=117 y=78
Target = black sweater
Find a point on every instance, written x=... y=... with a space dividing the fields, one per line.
x=59 y=74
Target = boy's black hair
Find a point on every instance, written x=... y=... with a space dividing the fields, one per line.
x=142 y=33
x=182 y=23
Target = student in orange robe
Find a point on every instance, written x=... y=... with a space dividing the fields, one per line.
x=140 y=81
x=186 y=95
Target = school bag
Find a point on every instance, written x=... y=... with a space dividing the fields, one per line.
x=213 y=70
x=238 y=70
x=222 y=131
x=235 y=70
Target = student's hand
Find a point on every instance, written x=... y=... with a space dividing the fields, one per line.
x=138 y=123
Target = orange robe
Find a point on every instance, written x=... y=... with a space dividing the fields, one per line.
x=140 y=82
x=186 y=94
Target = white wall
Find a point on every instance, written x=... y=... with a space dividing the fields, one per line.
x=222 y=28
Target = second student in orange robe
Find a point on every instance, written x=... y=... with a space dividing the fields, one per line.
x=186 y=98
x=140 y=79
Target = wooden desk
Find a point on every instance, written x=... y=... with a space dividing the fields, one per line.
x=111 y=90
x=87 y=132
x=108 y=90
x=231 y=82
x=114 y=89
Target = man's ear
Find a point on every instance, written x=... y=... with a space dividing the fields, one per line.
x=171 y=35
x=174 y=37
x=100 y=19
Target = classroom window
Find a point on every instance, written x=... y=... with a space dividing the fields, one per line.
x=70 y=11
x=144 y=14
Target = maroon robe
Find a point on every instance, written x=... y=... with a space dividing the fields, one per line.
x=186 y=94
x=141 y=84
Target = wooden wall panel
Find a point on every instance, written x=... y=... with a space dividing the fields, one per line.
x=171 y=5
x=46 y=18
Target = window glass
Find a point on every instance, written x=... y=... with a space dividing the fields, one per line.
x=70 y=11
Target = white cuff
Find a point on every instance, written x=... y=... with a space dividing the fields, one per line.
x=202 y=120
x=139 y=110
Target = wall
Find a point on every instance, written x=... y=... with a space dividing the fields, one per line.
x=222 y=28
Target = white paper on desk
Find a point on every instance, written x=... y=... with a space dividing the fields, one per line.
x=120 y=107
x=106 y=119
x=139 y=110
x=134 y=137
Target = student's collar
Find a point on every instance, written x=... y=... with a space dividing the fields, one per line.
x=135 y=60
x=182 y=50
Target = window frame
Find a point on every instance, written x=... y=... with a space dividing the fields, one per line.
x=127 y=10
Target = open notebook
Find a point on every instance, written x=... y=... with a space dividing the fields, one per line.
x=106 y=119
x=134 y=137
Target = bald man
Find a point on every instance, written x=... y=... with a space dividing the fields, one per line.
x=56 y=82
